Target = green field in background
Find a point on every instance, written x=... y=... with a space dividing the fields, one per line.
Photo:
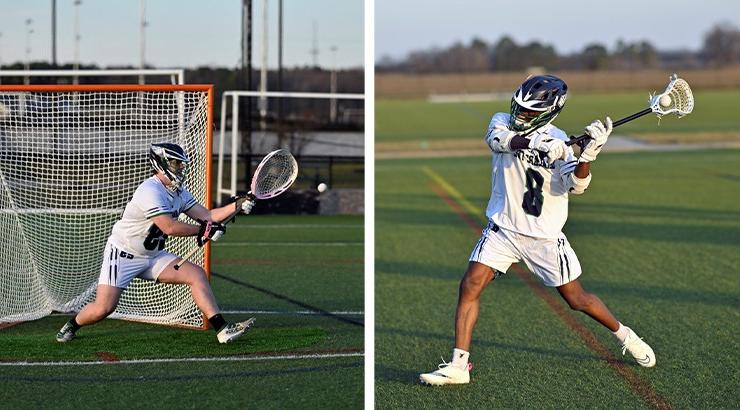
x=657 y=236
x=284 y=264
x=407 y=120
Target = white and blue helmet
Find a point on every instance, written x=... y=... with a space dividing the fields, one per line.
x=171 y=160
x=537 y=102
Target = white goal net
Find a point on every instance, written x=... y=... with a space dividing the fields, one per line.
x=70 y=159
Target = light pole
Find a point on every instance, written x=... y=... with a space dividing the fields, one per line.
x=1 y=50
x=262 y=102
x=77 y=38
x=333 y=85
x=29 y=31
x=142 y=46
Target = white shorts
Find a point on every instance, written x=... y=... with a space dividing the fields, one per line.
x=552 y=260
x=119 y=267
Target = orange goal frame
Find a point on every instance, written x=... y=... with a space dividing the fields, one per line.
x=208 y=88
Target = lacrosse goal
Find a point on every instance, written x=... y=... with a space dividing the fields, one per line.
x=70 y=159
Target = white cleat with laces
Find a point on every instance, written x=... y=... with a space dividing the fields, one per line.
x=232 y=331
x=447 y=374
x=640 y=350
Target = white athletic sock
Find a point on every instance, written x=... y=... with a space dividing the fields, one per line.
x=460 y=358
x=622 y=333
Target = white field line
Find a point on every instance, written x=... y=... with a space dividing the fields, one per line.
x=189 y=359
x=356 y=243
x=292 y=226
x=295 y=312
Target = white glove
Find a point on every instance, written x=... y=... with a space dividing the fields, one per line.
x=599 y=133
x=245 y=204
x=553 y=147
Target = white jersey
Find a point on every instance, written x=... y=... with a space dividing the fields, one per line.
x=135 y=232
x=528 y=196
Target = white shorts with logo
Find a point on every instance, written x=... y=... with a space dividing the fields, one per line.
x=119 y=267
x=552 y=260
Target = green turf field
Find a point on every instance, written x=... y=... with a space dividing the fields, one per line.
x=658 y=236
x=278 y=266
x=410 y=120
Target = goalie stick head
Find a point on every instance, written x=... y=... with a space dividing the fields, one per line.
x=171 y=160
x=537 y=102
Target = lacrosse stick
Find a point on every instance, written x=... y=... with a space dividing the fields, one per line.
x=676 y=99
x=274 y=175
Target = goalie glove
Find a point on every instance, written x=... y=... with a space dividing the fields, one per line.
x=210 y=231
x=244 y=204
x=598 y=132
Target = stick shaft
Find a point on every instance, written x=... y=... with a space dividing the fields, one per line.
x=195 y=249
x=615 y=124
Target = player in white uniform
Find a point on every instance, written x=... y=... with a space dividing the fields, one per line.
x=533 y=173
x=135 y=247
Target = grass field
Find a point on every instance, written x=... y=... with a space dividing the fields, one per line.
x=301 y=276
x=419 y=120
x=657 y=235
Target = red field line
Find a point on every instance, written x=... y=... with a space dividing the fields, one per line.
x=107 y=357
x=636 y=383
x=5 y=325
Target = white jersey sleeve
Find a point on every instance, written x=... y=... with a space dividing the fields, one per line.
x=528 y=195
x=499 y=135
x=135 y=232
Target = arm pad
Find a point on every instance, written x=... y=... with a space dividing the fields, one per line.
x=499 y=135
x=577 y=185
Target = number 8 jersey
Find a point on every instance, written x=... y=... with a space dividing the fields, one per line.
x=135 y=232
x=528 y=195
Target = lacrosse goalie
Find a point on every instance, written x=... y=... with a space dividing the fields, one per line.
x=135 y=247
x=533 y=173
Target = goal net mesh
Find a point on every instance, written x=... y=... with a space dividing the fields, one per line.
x=69 y=163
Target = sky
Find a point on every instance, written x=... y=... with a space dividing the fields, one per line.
x=569 y=25
x=184 y=33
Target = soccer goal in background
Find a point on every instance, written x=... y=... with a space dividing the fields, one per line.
x=302 y=141
x=70 y=159
x=173 y=76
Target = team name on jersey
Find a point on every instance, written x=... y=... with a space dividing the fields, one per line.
x=533 y=158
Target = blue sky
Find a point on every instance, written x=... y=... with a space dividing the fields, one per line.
x=183 y=33
x=569 y=25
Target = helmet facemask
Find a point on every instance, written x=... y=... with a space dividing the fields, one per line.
x=171 y=160
x=536 y=103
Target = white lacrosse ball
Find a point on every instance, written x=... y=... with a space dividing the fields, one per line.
x=322 y=187
x=665 y=101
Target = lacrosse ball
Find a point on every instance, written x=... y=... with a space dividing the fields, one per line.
x=322 y=187
x=665 y=101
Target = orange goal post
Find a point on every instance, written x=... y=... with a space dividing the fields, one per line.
x=71 y=157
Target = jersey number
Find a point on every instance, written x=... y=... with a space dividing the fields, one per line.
x=533 y=197
x=155 y=239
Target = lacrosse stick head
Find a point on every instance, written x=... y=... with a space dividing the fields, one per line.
x=274 y=175
x=676 y=99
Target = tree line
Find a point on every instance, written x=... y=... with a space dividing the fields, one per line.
x=721 y=47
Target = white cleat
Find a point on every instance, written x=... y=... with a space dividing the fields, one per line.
x=232 y=331
x=640 y=350
x=447 y=374
x=66 y=333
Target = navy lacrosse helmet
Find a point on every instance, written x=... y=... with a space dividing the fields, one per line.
x=537 y=102
x=171 y=160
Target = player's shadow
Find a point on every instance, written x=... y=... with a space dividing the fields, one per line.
x=396 y=374
x=652 y=292
x=628 y=221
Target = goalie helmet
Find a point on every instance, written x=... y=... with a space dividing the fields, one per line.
x=171 y=160
x=537 y=102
